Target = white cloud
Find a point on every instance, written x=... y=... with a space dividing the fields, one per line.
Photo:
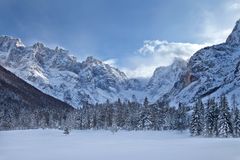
x=111 y=62
x=235 y=5
x=142 y=71
x=168 y=50
x=217 y=24
x=158 y=53
x=212 y=33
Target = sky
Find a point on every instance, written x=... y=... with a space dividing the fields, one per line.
x=134 y=35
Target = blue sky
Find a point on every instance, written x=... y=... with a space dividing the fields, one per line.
x=115 y=30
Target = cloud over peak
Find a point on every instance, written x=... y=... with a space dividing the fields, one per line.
x=158 y=53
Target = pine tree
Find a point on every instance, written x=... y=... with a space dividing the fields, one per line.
x=197 y=121
x=156 y=123
x=145 y=120
x=109 y=115
x=119 y=114
x=211 y=118
x=236 y=122
x=101 y=116
x=133 y=118
x=224 y=119
x=181 y=119
x=170 y=118
x=158 y=116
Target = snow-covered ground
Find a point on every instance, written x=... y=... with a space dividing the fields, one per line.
x=123 y=145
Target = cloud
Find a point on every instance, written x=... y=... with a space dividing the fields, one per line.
x=142 y=71
x=235 y=6
x=217 y=23
x=168 y=50
x=111 y=62
x=158 y=53
x=211 y=32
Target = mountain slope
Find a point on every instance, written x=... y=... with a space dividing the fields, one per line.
x=23 y=106
x=211 y=71
x=164 y=78
x=58 y=74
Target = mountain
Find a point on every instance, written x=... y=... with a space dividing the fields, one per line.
x=23 y=106
x=211 y=72
x=163 y=79
x=57 y=73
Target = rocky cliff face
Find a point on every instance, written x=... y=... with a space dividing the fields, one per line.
x=164 y=78
x=211 y=71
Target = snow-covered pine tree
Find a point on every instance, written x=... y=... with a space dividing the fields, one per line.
x=211 y=118
x=86 y=116
x=119 y=114
x=101 y=116
x=157 y=116
x=194 y=122
x=161 y=116
x=224 y=119
x=133 y=116
x=236 y=122
x=145 y=120
x=94 y=118
x=170 y=118
x=181 y=119
x=109 y=115
x=202 y=111
x=197 y=121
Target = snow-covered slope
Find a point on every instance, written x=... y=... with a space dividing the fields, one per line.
x=164 y=78
x=211 y=72
x=57 y=73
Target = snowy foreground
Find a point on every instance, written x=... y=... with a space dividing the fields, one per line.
x=123 y=145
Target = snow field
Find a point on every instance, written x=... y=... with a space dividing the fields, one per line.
x=123 y=145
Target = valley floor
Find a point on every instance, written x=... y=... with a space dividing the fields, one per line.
x=123 y=145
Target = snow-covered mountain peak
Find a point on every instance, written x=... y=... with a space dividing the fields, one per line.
x=61 y=50
x=38 y=45
x=8 y=42
x=92 y=61
x=211 y=72
x=57 y=73
x=164 y=78
x=99 y=68
x=178 y=63
x=234 y=38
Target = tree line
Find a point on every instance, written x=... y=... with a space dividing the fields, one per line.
x=213 y=119
x=132 y=116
